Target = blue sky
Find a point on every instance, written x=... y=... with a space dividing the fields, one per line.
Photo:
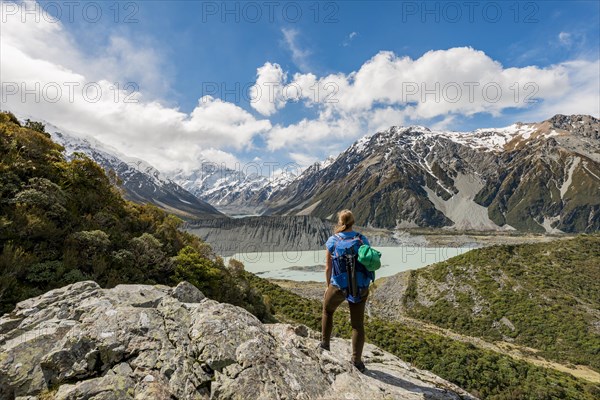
x=175 y=50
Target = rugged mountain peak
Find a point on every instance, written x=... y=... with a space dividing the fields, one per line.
x=584 y=125
x=565 y=122
x=237 y=190
x=397 y=132
x=327 y=162
x=406 y=130
x=526 y=176
x=156 y=342
x=315 y=168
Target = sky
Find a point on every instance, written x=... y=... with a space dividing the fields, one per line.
x=178 y=83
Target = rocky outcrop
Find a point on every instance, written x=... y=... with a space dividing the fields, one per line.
x=156 y=342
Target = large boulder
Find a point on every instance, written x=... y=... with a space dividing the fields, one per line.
x=156 y=342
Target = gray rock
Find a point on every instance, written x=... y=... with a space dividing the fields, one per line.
x=274 y=233
x=154 y=342
x=185 y=292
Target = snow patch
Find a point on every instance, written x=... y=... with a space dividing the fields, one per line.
x=548 y=222
x=567 y=183
x=327 y=162
x=593 y=174
x=461 y=209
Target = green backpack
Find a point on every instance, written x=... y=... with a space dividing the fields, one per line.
x=369 y=257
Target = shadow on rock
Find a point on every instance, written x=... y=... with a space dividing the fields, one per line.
x=429 y=393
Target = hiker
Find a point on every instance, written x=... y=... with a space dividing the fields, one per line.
x=340 y=285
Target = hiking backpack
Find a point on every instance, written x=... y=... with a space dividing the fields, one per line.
x=347 y=272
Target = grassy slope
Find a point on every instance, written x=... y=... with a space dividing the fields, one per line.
x=549 y=292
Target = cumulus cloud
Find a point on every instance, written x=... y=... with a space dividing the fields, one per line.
x=46 y=76
x=324 y=132
x=390 y=90
x=581 y=94
x=460 y=80
x=267 y=93
x=42 y=59
x=29 y=28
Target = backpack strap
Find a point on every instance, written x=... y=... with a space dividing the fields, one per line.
x=339 y=237
x=359 y=236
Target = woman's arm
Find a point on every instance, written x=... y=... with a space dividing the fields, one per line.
x=328 y=268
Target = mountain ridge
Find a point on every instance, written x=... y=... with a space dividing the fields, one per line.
x=406 y=177
x=140 y=181
x=530 y=177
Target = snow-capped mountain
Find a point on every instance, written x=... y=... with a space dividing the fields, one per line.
x=141 y=182
x=234 y=191
x=532 y=177
x=540 y=177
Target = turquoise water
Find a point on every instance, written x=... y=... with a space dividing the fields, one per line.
x=309 y=265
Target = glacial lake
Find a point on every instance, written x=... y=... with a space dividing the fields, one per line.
x=309 y=265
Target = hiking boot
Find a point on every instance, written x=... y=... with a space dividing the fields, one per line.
x=324 y=346
x=359 y=366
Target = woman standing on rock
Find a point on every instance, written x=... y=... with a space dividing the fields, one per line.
x=346 y=279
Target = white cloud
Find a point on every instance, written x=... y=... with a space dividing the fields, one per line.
x=386 y=90
x=319 y=134
x=43 y=58
x=382 y=118
x=43 y=38
x=564 y=38
x=580 y=97
x=303 y=160
x=349 y=39
x=444 y=123
x=459 y=80
x=266 y=94
x=390 y=90
x=299 y=56
x=216 y=156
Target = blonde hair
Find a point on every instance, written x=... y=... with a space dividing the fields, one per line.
x=345 y=221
